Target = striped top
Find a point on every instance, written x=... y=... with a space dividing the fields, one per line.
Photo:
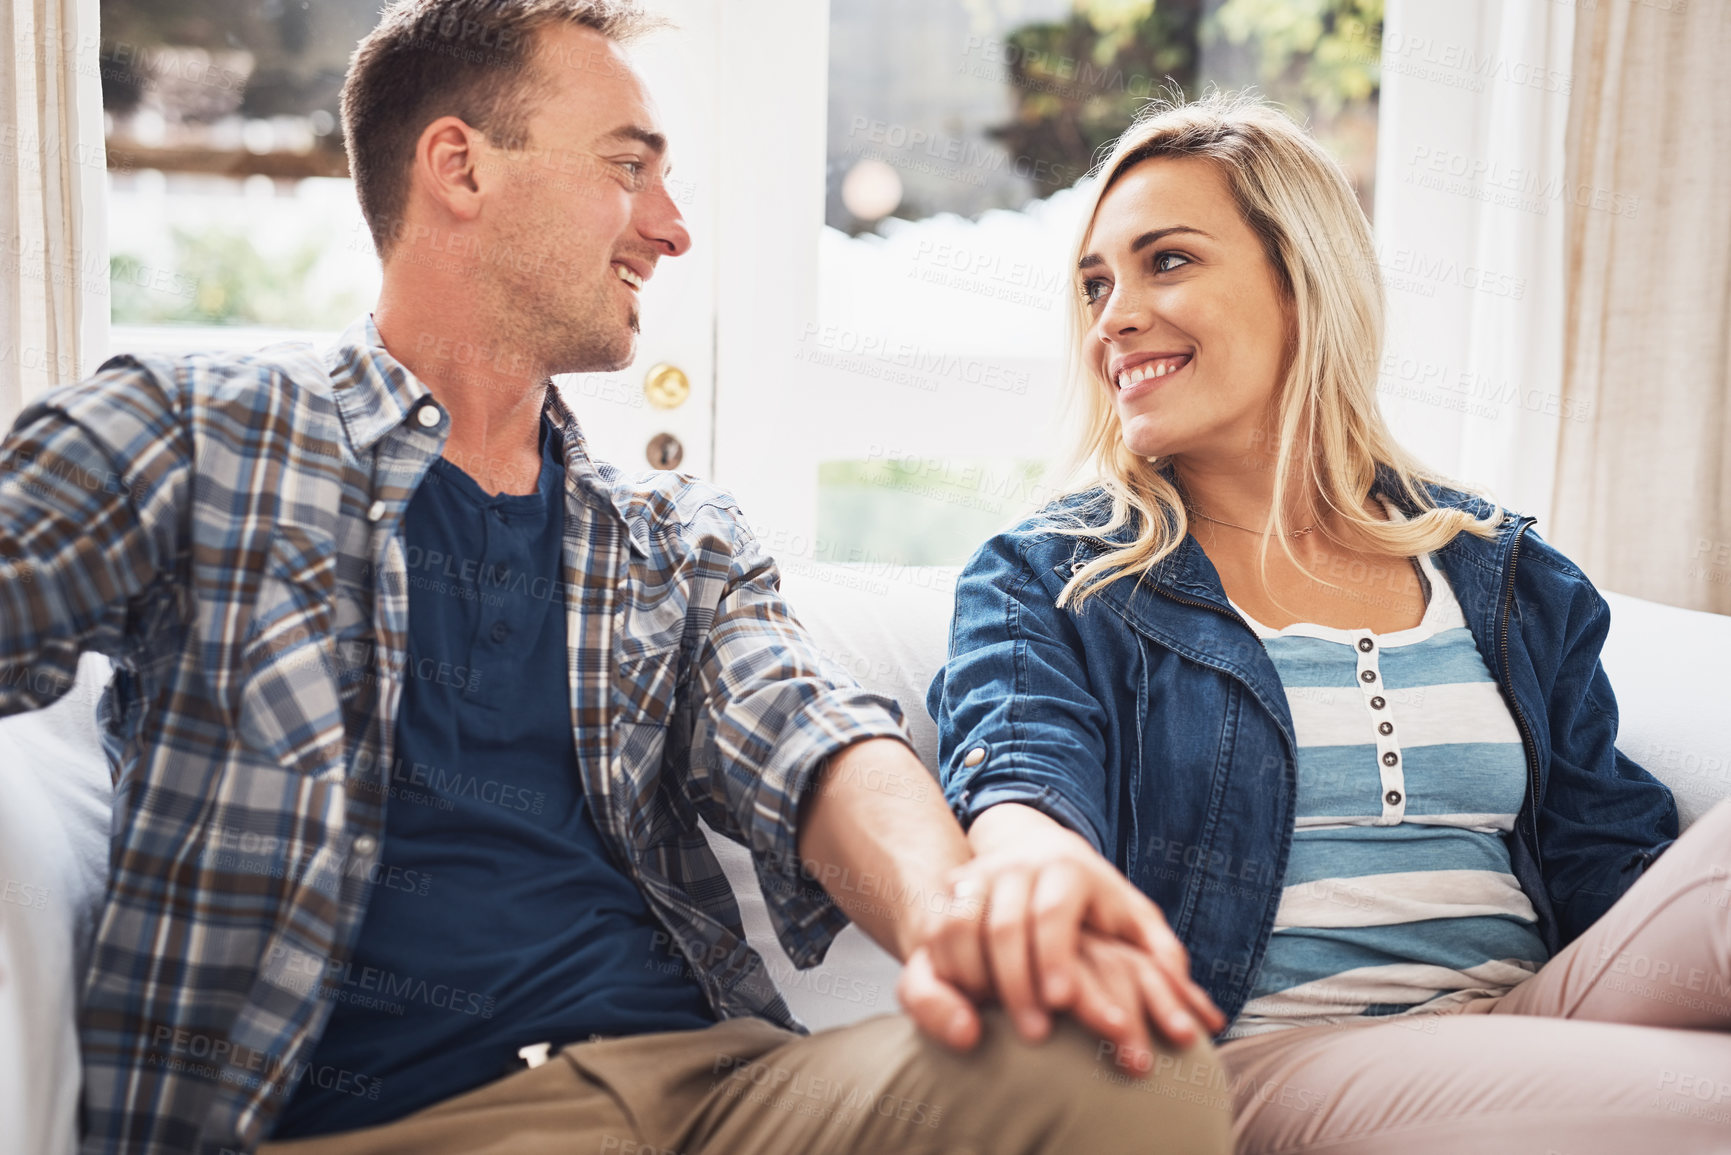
x=1399 y=894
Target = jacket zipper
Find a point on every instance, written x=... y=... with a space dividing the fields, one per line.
x=1527 y=744
x=1291 y=749
x=1239 y=618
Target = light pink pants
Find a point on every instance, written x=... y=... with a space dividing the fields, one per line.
x=1621 y=1043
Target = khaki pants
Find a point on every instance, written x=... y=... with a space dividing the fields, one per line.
x=746 y=1087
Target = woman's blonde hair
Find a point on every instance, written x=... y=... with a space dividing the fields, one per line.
x=1329 y=431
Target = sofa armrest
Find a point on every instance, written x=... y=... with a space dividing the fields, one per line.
x=54 y=818
x=1671 y=671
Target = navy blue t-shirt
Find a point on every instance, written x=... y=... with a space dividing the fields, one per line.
x=497 y=919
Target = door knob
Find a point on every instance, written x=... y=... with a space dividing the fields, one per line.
x=666 y=386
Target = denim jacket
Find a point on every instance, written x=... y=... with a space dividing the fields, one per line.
x=1153 y=723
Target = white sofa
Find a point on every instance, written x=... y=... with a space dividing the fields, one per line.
x=886 y=626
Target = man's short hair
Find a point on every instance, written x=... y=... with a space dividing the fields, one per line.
x=473 y=59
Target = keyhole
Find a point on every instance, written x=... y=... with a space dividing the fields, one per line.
x=665 y=451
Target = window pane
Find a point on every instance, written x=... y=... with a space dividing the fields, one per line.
x=229 y=203
x=958 y=130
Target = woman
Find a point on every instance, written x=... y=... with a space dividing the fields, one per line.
x=1345 y=725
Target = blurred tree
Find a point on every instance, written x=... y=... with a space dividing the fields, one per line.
x=1322 y=53
x=1077 y=84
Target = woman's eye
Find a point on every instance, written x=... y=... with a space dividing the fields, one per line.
x=1161 y=260
x=1093 y=291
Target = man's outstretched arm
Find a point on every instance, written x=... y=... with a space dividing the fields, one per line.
x=814 y=776
x=874 y=813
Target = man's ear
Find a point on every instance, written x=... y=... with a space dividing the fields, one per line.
x=447 y=166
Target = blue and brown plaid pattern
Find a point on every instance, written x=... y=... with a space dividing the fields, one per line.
x=226 y=530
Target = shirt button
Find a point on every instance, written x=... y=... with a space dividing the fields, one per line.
x=376 y=511
x=1390 y=758
x=1392 y=798
x=1365 y=645
x=1377 y=703
x=1385 y=728
x=500 y=631
x=366 y=844
x=428 y=415
x=1368 y=676
x=975 y=756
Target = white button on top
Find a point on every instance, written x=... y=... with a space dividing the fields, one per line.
x=975 y=756
x=428 y=415
x=366 y=844
x=375 y=511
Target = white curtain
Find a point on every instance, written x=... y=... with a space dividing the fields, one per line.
x=1470 y=235
x=53 y=199
x=1644 y=490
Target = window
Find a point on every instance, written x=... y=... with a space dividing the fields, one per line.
x=229 y=204
x=958 y=130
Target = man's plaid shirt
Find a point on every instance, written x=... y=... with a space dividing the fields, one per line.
x=226 y=529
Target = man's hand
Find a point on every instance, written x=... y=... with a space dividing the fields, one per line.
x=1030 y=924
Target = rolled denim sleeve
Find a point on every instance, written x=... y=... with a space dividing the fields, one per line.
x=770 y=711
x=1017 y=720
x=91 y=481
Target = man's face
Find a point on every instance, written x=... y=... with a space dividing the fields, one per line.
x=582 y=213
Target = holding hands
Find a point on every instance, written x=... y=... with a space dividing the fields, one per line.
x=1041 y=923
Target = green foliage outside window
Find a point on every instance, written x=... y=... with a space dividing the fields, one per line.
x=1079 y=82
x=1321 y=53
x=219 y=278
x=909 y=512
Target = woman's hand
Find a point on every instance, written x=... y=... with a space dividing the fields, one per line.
x=1031 y=921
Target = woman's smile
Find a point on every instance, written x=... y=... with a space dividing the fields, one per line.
x=1139 y=374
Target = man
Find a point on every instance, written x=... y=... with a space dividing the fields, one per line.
x=417 y=709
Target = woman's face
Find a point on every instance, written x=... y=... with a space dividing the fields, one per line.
x=1189 y=322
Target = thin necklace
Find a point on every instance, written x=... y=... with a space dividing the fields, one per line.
x=1247 y=529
